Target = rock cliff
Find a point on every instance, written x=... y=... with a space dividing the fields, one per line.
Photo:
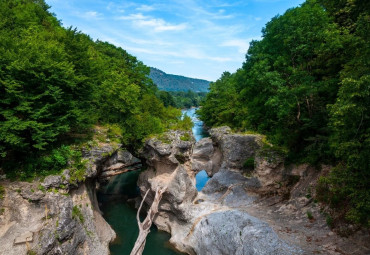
x=213 y=221
x=253 y=204
x=60 y=215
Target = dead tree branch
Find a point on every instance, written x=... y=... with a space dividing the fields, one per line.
x=144 y=227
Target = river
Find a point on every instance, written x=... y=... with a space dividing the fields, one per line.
x=121 y=214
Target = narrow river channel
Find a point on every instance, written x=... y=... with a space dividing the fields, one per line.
x=121 y=214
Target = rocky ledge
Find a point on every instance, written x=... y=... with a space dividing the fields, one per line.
x=253 y=204
x=60 y=215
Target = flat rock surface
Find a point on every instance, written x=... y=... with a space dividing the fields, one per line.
x=236 y=232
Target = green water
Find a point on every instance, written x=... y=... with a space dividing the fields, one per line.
x=121 y=215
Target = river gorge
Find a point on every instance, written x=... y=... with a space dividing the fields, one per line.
x=216 y=201
x=114 y=200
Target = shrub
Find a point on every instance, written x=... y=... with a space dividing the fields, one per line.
x=77 y=214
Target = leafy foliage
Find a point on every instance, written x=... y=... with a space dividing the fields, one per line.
x=306 y=86
x=56 y=83
x=187 y=99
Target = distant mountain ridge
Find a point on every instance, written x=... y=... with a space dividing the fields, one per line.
x=171 y=82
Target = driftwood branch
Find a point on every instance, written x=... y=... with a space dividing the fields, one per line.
x=144 y=227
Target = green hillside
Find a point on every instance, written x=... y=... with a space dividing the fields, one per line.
x=170 y=82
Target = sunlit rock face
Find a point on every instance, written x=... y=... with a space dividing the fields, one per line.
x=215 y=220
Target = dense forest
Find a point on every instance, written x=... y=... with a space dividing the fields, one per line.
x=306 y=85
x=171 y=82
x=56 y=83
x=180 y=99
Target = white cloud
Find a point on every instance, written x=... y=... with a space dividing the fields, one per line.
x=92 y=15
x=242 y=45
x=146 y=8
x=189 y=53
x=157 y=24
x=132 y=17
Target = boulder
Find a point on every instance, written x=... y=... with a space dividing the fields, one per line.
x=235 y=148
x=230 y=188
x=236 y=232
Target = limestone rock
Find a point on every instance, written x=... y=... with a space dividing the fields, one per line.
x=269 y=167
x=212 y=221
x=25 y=237
x=120 y=162
x=235 y=148
x=60 y=222
x=230 y=188
x=236 y=232
x=52 y=181
x=31 y=194
x=203 y=156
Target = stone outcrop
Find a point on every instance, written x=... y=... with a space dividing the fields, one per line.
x=61 y=214
x=165 y=170
x=58 y=222
x=120 y=162
x=236 y=232
x=235 y=148
x=214 y=221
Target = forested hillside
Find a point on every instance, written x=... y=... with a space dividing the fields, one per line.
x=180 y=99
x=170 y=82
x=306 y=85
x=56 y=83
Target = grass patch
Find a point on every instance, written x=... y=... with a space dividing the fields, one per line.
x=309 y=215
x=77 y=214
x=164 y=138
x=185 y=137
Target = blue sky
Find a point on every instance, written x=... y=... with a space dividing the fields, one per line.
x=199 y=39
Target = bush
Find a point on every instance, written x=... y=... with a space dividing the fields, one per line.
x=347 y=194
x=39 y=164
